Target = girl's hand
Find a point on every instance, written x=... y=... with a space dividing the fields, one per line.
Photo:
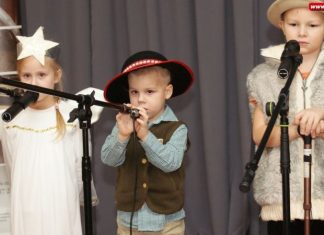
x=141 y=124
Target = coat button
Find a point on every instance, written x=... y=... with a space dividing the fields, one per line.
x=144 y=185
x=144 y=161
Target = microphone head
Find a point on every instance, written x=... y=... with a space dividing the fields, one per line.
x=6 y=116
x=244 y=187
x=134 y=113
x=289 y=56
x=18 y=105
x=28 y=97
x=34 y=96
x=291 y=48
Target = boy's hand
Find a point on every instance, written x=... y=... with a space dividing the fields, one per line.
x=311 y=122
x=141 y=124
x=320 y=129
x=125 y=126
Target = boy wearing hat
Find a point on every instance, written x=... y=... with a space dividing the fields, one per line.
x=148 y=151
x=306 y=91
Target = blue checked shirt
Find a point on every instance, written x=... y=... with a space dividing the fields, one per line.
x=166 y=157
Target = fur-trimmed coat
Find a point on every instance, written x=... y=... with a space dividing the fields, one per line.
x=264 y=86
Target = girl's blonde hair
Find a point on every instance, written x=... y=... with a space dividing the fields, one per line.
x=60 y=123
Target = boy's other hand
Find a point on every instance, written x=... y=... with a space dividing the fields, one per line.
x=125 y=126
x=311 y=122
x=141 y=124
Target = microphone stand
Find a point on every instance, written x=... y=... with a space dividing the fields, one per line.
x=285 y=163
x=251 y=167
x=307 y=183
x=83 y=113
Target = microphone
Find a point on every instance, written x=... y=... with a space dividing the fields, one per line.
x=134 y=113
x=289 y=57
x=123 y=108
x=15 y=93
x=18 y=105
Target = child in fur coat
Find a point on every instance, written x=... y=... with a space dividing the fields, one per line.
x=306 y=105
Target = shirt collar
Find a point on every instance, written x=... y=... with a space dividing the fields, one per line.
x=167 y=115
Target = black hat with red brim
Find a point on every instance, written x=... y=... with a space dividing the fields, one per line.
x=116 y=90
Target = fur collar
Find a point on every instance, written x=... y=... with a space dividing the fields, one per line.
x=274 y=52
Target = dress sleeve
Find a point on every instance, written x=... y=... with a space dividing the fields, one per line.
x=77 y=144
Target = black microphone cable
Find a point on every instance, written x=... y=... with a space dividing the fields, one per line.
x=136 y=177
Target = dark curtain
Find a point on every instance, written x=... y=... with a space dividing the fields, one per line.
x=220 y=40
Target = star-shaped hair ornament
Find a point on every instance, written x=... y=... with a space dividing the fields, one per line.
x=35 y=46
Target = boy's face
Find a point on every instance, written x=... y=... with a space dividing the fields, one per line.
x=307 y=27
x=31 y=71
x=149 y=91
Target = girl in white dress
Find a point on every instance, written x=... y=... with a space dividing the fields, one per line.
x=42 y=151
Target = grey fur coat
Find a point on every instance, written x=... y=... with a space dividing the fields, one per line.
x=264 y=86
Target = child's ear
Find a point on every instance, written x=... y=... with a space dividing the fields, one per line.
x=58 y=75
x=280 y=24
x=168 y=91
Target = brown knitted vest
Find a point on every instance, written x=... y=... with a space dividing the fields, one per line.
x=163 y=192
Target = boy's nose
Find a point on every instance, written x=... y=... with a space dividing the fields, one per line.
x=302 y=31
x=140 y=98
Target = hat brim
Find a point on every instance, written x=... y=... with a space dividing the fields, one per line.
x=279 y=7
x=116 y=90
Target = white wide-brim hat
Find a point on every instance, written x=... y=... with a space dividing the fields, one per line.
x=280 y=6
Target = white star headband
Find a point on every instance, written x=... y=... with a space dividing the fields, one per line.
x=35 y=46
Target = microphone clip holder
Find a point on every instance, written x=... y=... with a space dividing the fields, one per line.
x=83 y=112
